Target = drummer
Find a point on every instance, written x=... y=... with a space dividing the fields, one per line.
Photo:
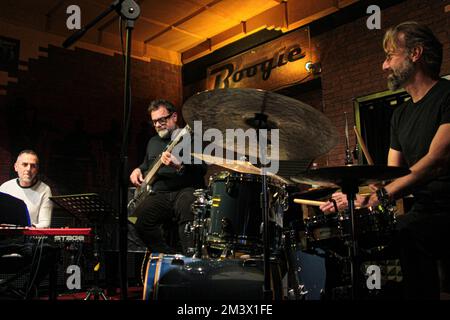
x=420 y=139
x=173 y=189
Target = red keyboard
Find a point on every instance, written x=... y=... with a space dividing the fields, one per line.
x=57 y=231
x=57 y=234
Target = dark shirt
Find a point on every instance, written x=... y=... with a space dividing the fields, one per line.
x=413 y=127
x=167 y=178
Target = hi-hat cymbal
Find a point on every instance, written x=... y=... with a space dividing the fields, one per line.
x=350 y=175
x=238 y=166
x=304 y=132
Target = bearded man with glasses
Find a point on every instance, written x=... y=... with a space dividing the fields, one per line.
x=173 y=189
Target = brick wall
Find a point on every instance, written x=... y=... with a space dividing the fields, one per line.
x=351 y=57
x=68 y=106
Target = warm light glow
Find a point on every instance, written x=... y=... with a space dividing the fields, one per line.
x=314 y=68
x=309 y=66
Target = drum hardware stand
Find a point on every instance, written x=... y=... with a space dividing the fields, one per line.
x=261 y=120
x=296 y=289
x=267 y=290
x=227 y=251
x=199 y=251
x=197 y=228
x=351 y=190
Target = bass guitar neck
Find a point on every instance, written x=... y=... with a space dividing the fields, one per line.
x=146 y=187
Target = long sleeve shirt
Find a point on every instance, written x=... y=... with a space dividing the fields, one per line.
x=167 y=178
x=36 y=198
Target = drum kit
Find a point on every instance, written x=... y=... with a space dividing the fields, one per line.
x=242 y=250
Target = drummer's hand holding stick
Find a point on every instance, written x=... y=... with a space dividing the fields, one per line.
x=339 y=200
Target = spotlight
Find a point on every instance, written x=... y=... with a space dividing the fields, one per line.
x=314 y=68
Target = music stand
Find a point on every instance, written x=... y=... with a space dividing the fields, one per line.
x=91 y=209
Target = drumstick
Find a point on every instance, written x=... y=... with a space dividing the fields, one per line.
x=363 y=146
x=309 y=202
x=399 y=202
x=312 y=202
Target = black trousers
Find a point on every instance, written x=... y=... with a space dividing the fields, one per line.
x=423 y=241
x=161 y=208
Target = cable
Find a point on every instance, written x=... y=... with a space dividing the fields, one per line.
x=40 y=247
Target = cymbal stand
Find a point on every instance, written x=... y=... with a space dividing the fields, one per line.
x=351 y=190
x=267 y=290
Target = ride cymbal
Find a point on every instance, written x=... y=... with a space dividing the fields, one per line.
x=304 y=132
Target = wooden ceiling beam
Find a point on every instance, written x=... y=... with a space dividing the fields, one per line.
x=183 y=20
x=286 y=16
x=49 y=14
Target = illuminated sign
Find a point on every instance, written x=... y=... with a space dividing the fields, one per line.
x=269 y=66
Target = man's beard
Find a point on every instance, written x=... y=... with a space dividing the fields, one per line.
x=398 y=78
x=164 y=133
x=29 y=179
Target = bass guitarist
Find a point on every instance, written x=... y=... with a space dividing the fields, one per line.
x=173 y=185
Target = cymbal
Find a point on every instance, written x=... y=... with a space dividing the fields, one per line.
x=304 y=132
x=350 y=175
x=237 y=165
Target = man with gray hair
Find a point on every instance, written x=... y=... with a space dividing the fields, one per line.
x=30 y=189
x=35 y=195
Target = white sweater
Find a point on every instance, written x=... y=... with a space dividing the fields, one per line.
x=35 y=197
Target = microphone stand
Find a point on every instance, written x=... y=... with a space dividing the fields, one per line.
x=130 y=11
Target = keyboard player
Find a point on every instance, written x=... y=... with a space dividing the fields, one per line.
x=30 y=189
x=24 y=201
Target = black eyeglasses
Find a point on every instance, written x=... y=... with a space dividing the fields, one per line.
x=162 y=120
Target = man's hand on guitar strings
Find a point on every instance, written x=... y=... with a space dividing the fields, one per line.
x=136 y=177
x=170 y=160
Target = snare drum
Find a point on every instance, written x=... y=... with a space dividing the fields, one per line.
x=373 y=227
x=323 y=227
x=177 y=277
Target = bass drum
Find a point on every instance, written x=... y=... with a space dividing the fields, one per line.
x=176 y=277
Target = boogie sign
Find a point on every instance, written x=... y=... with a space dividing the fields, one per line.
x=270 y=66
